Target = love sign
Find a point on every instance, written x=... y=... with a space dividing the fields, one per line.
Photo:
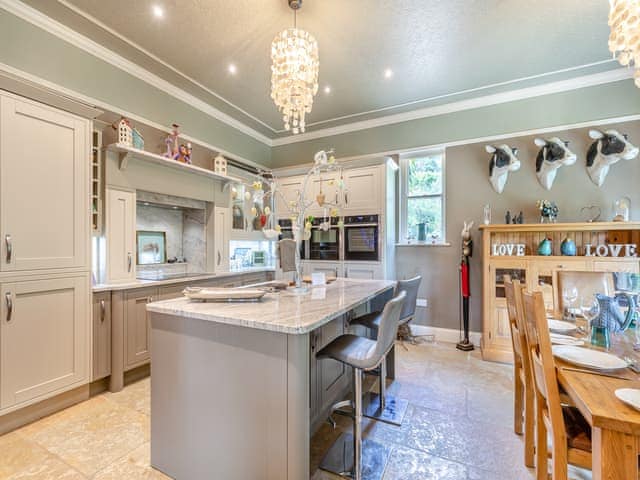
x=508 y=249
x=611 y=250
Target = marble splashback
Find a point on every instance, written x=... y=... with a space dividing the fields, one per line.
x=194 y=241
x=160 y=219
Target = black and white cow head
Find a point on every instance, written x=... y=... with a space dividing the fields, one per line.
x=503 y=161
x=609 y=147
x=553 y=154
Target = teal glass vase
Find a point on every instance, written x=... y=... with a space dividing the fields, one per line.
x=600 y=337
x=422 y=232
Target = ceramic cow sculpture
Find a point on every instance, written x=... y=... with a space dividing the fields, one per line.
x=553 y=154
x=609 y=147
x=503 y=161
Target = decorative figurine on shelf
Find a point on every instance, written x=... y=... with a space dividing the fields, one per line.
x=621 y=209
x=184 y=153
x=590 y=213
x=568 y=247
x=545 y=247
x=520 y=219
x=220 y=165
x=548 y=211
x=507 y=217
x=172 y=142
x=465 y=290
x=124 y=130
x=136 y=139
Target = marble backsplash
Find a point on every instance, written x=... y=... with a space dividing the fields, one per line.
x=185 y=235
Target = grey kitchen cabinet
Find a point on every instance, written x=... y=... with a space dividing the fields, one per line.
x=101 y=335
x=171 y=291
x=44 y=198
x=44 y=338
x=120 y=225
x=136 y=326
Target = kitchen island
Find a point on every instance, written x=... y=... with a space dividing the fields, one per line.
x=236 y=390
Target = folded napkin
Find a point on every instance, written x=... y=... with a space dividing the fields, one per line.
x=287 y=253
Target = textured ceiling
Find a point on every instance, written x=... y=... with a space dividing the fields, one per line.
x=434 y=47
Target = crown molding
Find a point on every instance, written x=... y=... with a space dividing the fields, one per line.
x=65 y=33
x=594 y=79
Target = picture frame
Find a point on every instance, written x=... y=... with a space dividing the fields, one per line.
x=151 y=247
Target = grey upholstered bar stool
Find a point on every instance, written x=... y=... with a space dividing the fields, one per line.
x=362 y=354
x=383 y=406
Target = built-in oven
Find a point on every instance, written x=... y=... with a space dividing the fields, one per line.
x=361 y=237
x=286 y=231
x=324 y=243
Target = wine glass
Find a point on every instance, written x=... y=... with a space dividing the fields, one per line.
x=590 y=308
x=570 y=295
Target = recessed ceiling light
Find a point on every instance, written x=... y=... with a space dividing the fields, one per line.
x=157 y=10
x=327 y=89
x=232 y=69
x=388 y=73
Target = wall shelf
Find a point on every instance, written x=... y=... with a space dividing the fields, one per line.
x=127 y=153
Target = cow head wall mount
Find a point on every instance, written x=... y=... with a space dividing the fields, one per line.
x=609 y=147
x=554 y=153
x=503 y=161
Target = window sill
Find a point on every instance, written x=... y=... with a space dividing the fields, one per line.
x=423 y=244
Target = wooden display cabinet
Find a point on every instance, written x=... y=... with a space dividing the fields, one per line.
x=540 y=273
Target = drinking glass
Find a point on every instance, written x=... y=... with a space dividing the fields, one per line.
x=570 y=295
x=590 y=308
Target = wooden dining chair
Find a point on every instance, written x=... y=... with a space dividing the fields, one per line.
x=523 y=402
x=570 y=432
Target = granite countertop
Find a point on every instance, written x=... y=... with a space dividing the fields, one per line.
x=281 y=312
x=138 y=283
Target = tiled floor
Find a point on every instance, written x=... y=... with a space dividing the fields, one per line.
x=459 y=427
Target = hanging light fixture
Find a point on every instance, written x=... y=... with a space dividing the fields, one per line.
x=624 y=40
x=294 y=73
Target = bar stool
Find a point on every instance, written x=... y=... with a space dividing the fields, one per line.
x=362 y=354
x=382 y=406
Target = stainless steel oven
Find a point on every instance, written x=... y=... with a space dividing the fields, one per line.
x=286 y=231
x=361 y=238
x=324 y=243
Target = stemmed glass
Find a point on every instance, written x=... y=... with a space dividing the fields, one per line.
x=570 y=295
x=590 y=308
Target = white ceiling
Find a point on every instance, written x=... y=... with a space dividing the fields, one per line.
x=439 y=50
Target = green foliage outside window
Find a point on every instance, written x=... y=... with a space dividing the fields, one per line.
x=424 y=195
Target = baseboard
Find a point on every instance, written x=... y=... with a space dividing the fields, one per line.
x=447 y=335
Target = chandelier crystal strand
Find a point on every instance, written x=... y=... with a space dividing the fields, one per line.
x=624 y=40
x=294 y=76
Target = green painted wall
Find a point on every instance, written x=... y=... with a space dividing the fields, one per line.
x=35 y=51
x=586 y=104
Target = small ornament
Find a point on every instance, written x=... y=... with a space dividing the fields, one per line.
x=136 y=139
x=568 y=247
x=334 y=212
x=234 y=193
x=520 y=218
x=247 y=196
x=184 y=153
x=254 y=211
x=332 y=160
x=590 y=213
x=320 y=199
x=548 y=211
x=507 y=217
x=487 y=214
x=267 y=210
x=545 y=247
x=220 y=165
x=278 y=228
x=621 y=209
x=125 y=133
x=340 y=224
x=172 y=142
x=257 y=186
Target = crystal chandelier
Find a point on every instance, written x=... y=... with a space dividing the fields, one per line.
x=624 y=40
x=294 y=73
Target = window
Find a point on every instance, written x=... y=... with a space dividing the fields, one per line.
x=422 y=196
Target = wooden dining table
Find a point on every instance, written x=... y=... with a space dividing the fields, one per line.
x=615 y=426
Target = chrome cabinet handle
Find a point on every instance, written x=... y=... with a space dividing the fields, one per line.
x=129 y=261
x=246 y=224
x=149 y=299
x=102 y=310
x=7 y=241
x=346 y=198
x=7 y=297
x=219 y=257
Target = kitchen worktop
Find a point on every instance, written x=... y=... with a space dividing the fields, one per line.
x=138 y=283
x=282 y=312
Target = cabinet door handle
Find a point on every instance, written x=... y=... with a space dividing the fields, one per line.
x=346 y=198
x=9 y=300
x=102 y=310
x=129 y=261
x=219 y=257
x=246 y=224
x=336 y=272
x=149 y=299
x=7 y=241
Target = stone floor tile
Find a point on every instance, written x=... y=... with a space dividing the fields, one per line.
x=407 y=464
x=133 y=466
x=136 y=396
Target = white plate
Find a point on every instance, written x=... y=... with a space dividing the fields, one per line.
x=224 y=294
x=585 y=357
x=630 y=396
x=560 y=326
x=558 y=339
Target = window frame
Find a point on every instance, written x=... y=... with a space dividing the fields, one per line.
x=404 y=197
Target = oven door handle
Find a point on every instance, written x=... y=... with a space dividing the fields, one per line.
x=347 y=225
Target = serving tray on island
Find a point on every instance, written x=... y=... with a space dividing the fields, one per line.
x=224 y=294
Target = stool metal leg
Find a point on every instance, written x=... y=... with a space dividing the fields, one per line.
x=357 y=424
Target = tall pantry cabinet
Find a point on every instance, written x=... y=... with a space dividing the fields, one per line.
x=44 y=251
